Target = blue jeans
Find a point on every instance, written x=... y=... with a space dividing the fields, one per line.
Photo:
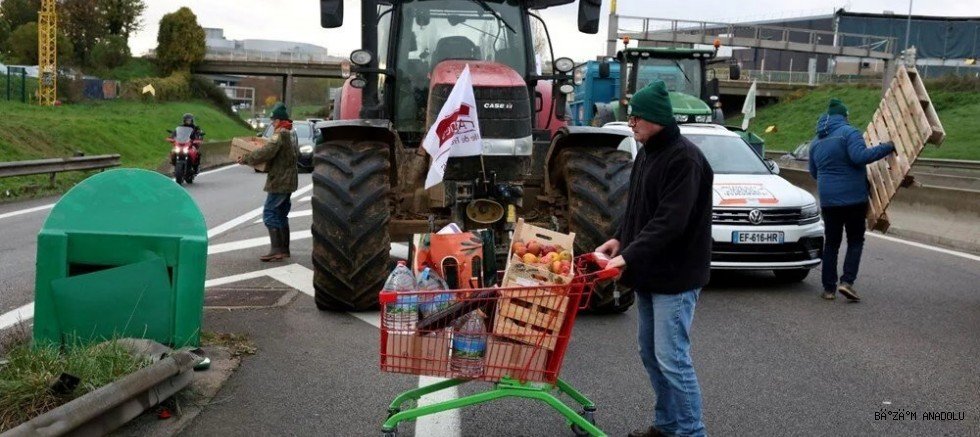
x=837 y=220
x=665 y=348
x=276 y=212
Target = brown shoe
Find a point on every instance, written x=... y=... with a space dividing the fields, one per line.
x=828 y=294
x=275 y=251
x=649 y=432
x=849 y=292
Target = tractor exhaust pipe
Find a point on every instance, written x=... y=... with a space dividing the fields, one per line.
x=371 y=106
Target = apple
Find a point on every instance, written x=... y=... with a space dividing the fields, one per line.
x=565 y=255
x=529 y=258
x=534 y=248
x=556 y=267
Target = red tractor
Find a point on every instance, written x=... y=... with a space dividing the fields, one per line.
x=369 y=169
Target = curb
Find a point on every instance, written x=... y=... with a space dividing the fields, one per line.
x=103 y=410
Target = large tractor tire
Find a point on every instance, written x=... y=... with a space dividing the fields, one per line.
x=351 y=245
x=597 y=185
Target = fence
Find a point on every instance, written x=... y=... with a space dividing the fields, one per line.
x=15 y=84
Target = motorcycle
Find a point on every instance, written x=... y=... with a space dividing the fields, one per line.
x=185 y=155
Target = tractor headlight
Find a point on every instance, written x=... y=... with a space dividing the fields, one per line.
x=361 y=57
x=810 y=211
x=566 y=88
x=564 y=65
x=702 y=118
x=681 y=118
x=358 y=82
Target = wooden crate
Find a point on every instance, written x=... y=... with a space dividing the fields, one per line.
x=530 y=315
x=906 y=117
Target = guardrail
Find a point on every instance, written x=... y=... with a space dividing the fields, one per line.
x=934 y=172
x=801 y=77
x=57 y=165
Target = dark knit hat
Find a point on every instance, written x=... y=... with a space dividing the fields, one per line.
x=279 y=112
x=837 y=108
x=652 y=103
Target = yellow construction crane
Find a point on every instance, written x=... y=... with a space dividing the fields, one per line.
x=47 y=53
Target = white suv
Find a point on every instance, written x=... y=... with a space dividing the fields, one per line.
x=759 y=220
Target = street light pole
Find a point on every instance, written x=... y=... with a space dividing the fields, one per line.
x=908 y=26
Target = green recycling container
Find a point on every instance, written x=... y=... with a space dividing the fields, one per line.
x=122 y=254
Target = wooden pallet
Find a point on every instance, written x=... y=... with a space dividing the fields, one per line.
x=906 y=117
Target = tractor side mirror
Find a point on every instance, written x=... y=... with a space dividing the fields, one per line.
x=331 y=13
x=734 y=71
x=604 y=70
x=588 y=16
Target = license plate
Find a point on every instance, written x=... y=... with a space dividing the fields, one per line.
x=756 y=237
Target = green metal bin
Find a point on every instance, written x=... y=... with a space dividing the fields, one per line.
x=123 y=254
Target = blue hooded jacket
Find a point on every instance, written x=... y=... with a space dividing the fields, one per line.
x=838 y=156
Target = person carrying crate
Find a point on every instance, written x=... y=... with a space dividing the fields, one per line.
x=664 y=247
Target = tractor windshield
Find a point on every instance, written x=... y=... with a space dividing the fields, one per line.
x=433 y=31
x=680 y=75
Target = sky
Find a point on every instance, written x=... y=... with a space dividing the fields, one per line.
x=299 y=20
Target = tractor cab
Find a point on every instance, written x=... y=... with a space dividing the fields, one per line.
x=683 y=70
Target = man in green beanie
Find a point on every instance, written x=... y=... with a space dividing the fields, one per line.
x=664 y=248
x=838 y=161
x=281 y=181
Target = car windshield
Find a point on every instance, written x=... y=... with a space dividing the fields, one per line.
x=183 y=134
x=680 y=75
x=303 y=130
x=729 y=155
x=436 y=30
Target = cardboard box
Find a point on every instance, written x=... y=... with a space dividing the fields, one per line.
x=417 y=355
x=241 y=146
x=526 y=233
x=518 y=361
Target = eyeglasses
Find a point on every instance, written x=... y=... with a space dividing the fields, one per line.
x=632 y=120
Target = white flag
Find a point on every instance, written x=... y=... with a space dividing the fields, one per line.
x=749 y=107
x=456 y=132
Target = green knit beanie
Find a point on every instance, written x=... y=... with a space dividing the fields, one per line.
x=279 y=112
x=837 y=108
x=652 y=103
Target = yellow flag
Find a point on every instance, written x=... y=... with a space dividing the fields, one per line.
x=149 y=89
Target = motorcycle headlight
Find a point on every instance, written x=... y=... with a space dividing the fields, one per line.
x=176 y=149
x=564 y=65
x=810 y=211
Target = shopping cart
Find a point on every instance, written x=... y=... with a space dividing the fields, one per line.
x=523 y=340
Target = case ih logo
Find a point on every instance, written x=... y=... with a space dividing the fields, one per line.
x=490 y=105
x=457 y=124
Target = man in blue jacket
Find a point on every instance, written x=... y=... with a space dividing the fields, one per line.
x=838 y=160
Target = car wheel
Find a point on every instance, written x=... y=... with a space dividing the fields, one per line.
x=794 y=275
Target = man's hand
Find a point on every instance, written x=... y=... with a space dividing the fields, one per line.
x=609 y=248
x=617 y=263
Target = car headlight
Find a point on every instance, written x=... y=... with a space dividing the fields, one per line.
x=681 y=118
x=361 y=57
x=564 y=65
x=306 y=149
x=810 y=211
x=702 y=118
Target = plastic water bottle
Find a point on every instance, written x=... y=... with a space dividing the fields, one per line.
x=431 y=303
x=404 y=313
x=469 y=345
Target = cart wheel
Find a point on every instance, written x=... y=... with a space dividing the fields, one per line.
x=589 y=415
x=389 y=432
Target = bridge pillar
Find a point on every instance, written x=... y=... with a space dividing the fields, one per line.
x=287 y=90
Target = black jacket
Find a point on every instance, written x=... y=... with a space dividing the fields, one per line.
x=666 y=234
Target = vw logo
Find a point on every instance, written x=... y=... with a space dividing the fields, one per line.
x=755 y=216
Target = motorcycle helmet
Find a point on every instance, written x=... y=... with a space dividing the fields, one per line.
x=188 y=119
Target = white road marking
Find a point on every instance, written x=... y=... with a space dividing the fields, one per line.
x=254 y=242
x=306 y=199
x=926 y=246
x=26 y=211
x=294 y=214
x=16 y=316
x=223 y=168
x=226 y=226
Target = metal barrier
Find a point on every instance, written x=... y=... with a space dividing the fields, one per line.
x=57 y=165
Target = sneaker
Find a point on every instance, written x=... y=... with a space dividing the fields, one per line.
x=829 y=295
x=649 y=432
x=849 y=292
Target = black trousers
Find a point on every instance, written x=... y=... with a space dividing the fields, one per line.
x=837 y=220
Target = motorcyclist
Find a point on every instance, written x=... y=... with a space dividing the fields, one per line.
x=188 y=121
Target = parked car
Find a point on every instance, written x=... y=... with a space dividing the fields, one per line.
x=760 y=221
x=303 y=142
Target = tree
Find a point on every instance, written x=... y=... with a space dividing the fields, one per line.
x=180 y=42
x=82 y=22
x=4 y=37
x=122 y=17
x=23 y=44
x=19 y=12
x=111 y=52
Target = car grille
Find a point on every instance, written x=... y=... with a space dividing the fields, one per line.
x=806 y=249
x=770 y=216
